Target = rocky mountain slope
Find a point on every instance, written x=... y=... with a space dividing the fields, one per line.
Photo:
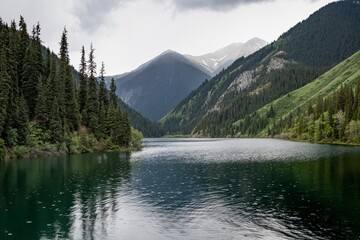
x=299 y=56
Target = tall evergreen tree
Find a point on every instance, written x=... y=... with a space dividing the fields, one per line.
x=92 y=104
x=41 y=110
x=23 y=45
x=55 y=123
x=113 y=97
x=32 y=70
x=4 y=89
x=103 y=98
x=22 y=121
x=71 y=110
x=83 y=82
x=12 y=69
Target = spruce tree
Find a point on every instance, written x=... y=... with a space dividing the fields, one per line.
x=41 y=110
x=10 y=135
x=113 y=97
x=92 y=104
x=111 y=120
x=55 y=123
x=103 y=99
x=83 y=82
x=32 y=70
x=22 y=121
x=23 y=45
x=126 y=129
x=4 y=89
x=71 y=111
x=101 y=130
x=52 y=83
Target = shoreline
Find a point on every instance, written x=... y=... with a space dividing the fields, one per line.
x=27 y=152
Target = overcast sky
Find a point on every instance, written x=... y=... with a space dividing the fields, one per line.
x=127 y=33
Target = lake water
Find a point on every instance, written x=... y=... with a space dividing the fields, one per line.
x=186 y=189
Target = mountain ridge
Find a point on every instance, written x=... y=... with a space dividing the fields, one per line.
x=224 y=57
x=299 y=56
x=159 y=84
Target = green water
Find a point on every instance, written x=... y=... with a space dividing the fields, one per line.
x=186 y=189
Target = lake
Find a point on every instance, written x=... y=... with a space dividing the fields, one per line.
x=186 y=189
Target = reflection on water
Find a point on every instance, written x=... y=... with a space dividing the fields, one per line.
x=186 y=189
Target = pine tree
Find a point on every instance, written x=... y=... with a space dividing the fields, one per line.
x=10 y=135
x=71 y=111
x=101 y=131
x=111 y=121
x=55 y=123
x=52 y=83
x=22 y=121
x=23 y=45
x=113 y=97
x=83 y=82
x=103 y=99
x=4 y=89
x=32 y=70
x=41 y=110
x=127 y=129
x=92 y=103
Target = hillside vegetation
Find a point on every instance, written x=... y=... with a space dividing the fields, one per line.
x=44 y=109
x=330 y=92
x=299 y=56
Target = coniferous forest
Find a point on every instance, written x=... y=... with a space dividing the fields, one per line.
x=332 y=119
x=47 y=107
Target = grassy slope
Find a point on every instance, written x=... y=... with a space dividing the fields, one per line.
x=347 y=71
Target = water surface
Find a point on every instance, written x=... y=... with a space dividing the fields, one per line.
x=186 y=189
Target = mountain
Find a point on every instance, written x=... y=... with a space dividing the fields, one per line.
x=326 y=110
x=224 y=57
x=147 y=127
x=299 y=56
x=324 y=87
x=158 y=85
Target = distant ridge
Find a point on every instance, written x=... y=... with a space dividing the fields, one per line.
x=155 y=87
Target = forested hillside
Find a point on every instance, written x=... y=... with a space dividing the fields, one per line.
x=299 y=56
x=43 y=108
x=147 y=127
x=326 y=110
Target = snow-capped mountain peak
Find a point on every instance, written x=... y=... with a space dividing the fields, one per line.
x=224 y=57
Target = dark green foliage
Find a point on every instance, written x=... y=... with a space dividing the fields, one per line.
x=329 y=36
x=83 y=81
x=22 y=121
x=42 y=108
x=103 y=98
x=113 y=97
x=39 y=98
x=92 y=104
x=147 y=127
x=2 y=150
x=71 y=110
x=4 y=89
x=332 y=121
x=32 y=71
x=55 y=123
x=225 y=105
x=23 y=45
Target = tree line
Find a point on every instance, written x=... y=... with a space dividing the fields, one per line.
x=335 y=118
x=43 y=104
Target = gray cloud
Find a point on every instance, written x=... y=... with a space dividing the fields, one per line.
x=217 y=5
x=92 y=13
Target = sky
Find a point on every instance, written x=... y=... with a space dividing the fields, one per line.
x=128 y=33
